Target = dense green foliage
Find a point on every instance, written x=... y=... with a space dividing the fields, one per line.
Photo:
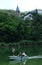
x=37 y=27
x=13 y=28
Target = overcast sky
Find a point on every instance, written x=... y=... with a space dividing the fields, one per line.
x=24 y=5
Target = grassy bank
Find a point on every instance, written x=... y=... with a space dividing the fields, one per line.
x=29 y=62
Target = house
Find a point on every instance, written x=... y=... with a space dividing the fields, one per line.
x=29 y=16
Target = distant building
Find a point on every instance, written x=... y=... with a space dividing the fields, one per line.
x=29 y=16
x=17 y=12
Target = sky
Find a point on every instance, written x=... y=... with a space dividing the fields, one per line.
x=24 y=5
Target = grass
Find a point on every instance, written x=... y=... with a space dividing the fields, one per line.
x=35 y=62
x=29 y=62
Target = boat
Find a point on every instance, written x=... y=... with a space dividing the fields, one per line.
x=18 y=58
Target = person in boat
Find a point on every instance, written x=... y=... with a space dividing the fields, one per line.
x=22 y=54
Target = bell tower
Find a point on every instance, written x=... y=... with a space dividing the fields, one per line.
x=17 y=11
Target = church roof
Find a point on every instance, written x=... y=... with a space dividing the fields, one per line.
x=17 y=9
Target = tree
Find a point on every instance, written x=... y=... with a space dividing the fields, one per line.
x=37 y=26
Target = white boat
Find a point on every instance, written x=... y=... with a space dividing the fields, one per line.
x=18 y=58
x=22 y=59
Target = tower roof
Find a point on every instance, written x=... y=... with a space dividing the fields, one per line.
x=17 y=9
